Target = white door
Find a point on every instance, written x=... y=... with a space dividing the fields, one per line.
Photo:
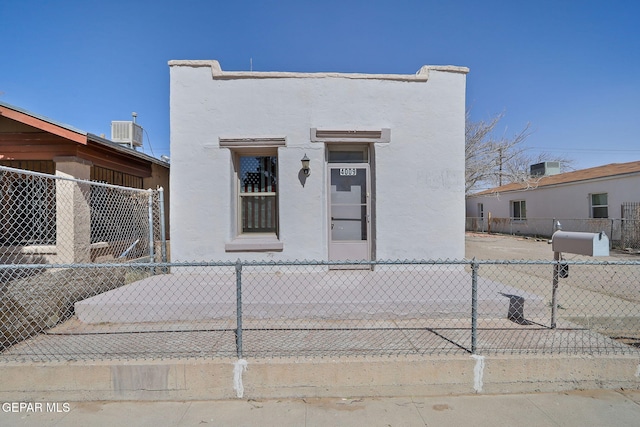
x=349 y=212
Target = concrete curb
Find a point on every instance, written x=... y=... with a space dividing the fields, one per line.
x=315 y=377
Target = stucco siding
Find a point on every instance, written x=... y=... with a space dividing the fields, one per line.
x=418 y=176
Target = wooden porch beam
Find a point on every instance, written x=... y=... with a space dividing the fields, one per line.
x=43 y=125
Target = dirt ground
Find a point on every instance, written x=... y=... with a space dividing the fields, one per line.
x=602 y=297
x=502 y=247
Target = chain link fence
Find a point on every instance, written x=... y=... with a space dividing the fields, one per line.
x=83 y=276
x=47 y=221
x=54 y=219
x=300 y=309
x=623 y=233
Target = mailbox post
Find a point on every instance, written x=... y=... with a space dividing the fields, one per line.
x=591 y=244
x=554 y=289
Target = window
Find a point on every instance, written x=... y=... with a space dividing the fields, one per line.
x=348 y=154
x=599 y=206
x=256 y=227
x=28 y=205
x=519 y=210
x=258 y=204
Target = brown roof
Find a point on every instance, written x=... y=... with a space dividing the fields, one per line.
x=610 y=170
x=61 y=130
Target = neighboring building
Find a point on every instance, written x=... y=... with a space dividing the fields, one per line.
x=599 y=193
x=386 y=163
x=31 y=142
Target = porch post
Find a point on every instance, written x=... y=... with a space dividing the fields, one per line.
x=73 y=211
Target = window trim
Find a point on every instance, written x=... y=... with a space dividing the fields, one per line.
x=259 y=142
x=350 y=135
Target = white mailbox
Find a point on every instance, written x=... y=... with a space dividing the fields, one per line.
x=593 y=244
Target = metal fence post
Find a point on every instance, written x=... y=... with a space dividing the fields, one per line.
x=239 y=308
x=151 y=242
x=554 y=289
x=163 y=232
x=611 y=234
x=474 y=305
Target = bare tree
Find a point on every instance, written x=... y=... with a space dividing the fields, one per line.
x=488 y=158
x=492 y=161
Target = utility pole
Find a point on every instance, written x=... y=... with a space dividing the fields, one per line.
x=500 y=167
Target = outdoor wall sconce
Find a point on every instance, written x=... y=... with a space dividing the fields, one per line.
x=306 y=170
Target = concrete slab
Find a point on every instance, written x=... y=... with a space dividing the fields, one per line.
x=579 y=408
x=483 y=411
x=310 y=338
x=267 y=413
x=363 y=412
x=104 y=414
x=386 y=294
x=123 y=346
x=582 y=408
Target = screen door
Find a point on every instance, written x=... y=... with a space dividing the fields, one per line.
x=349 y=212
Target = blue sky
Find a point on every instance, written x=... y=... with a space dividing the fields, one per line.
x=570 y=68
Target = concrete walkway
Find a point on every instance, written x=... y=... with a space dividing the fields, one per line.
x=580 y=408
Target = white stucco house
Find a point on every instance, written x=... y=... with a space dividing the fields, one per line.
x=604 y=195
x=384 y=177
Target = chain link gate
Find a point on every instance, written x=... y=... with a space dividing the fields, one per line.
x=631 y=225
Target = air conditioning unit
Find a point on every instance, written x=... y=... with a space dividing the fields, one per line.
x=126 y=133
x=545 y=169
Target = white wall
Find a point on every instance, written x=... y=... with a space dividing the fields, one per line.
x=419 y=174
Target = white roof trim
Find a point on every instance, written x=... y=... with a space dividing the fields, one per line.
x=216 y=72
